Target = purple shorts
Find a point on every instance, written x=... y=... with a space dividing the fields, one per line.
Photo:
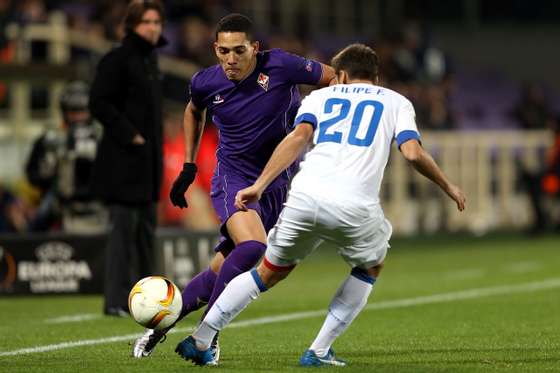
x=224 y=189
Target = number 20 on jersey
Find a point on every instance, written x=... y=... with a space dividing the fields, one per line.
x=345 y=105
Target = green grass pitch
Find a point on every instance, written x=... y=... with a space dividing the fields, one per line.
x=442 y=304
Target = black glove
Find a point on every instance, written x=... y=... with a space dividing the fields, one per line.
x=181 y=184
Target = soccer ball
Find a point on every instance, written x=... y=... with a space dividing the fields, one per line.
x=155 y=302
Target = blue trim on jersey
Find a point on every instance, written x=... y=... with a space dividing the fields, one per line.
x=407 y=135
x=258 y=280
x=308 y=118
x=361 y=274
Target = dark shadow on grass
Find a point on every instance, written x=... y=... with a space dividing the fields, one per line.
x=453 y=350
x=406 y=355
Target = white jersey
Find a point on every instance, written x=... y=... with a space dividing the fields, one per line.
x=355 y=125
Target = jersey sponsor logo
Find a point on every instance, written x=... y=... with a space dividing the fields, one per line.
x=263 y=81
x=218 y=99
x=309 y=66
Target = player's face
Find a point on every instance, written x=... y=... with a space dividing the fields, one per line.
x=150 y=26
x=236 y=53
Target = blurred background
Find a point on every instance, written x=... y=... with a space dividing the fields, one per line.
x=482 y=76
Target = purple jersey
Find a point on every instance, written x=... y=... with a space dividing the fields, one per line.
x=255 y=114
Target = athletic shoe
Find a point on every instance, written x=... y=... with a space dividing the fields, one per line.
x=215 y=347
x=188 y=351
x=310 y=359
x=146 y=344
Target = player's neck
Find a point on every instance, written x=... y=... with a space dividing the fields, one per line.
x=355 y=81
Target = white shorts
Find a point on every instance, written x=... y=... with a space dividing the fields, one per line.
x=361 y=234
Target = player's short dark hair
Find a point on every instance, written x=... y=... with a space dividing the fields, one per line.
x=137 y=8
x=236 y=22
x=358 y=60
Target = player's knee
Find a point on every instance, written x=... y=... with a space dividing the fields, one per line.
x=270 y=277
x=375 y=271
x=246 y=226
x=216 y=262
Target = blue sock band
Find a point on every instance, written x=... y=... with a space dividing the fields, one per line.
x=258 y=280
x=361 y=274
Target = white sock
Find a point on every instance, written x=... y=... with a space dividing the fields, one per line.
x=203 y=336
x=240 y=291
x=348 y=301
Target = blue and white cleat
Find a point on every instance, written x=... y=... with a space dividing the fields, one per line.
x=310 y=359
x=188 y=351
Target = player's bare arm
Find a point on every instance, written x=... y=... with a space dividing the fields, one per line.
x=423 y=162
x=193 y=125
x=327 y=76
x=283 y=156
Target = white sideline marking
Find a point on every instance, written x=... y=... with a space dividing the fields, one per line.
x=73 y=318
x=398 y=303
x=461 y=274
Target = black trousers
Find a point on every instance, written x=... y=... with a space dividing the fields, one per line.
x=130 y=249
x=532 y=183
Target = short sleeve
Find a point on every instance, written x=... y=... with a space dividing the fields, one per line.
x=308 y=111
x=196 y=93
x=300 y=70
x=406 y=128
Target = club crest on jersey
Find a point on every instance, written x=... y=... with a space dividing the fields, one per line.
x=263 y=81
x=218 y=99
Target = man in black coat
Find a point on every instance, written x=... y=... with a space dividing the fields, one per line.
x=126 y=97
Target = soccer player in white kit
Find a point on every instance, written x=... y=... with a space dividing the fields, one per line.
x=334 y=198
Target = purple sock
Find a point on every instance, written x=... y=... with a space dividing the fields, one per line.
x=244 y=256
x=197 y=292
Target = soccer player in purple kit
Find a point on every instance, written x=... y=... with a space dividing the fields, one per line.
x=253 y=98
